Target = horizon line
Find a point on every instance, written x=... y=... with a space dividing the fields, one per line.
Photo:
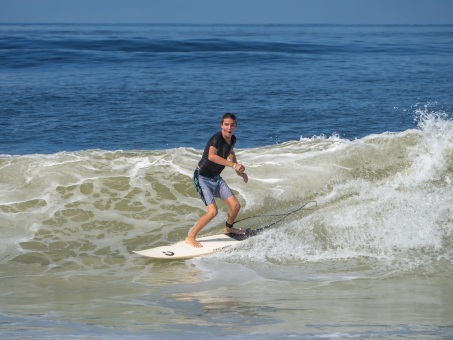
x=223 y=24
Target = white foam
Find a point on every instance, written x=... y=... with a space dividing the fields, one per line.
x=384 y=197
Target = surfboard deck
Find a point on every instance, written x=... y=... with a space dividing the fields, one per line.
x=211 y=244
x=181 y=250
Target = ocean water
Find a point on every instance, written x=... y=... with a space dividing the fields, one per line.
x=102 y=126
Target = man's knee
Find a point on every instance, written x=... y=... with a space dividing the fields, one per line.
x=212 y=211
x=235 y=206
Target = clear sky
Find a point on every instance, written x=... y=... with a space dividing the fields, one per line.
x=228 y=11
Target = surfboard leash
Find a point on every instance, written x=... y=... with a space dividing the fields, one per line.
x=253 y=232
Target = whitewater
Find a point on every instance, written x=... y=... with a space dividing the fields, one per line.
x=383 y=221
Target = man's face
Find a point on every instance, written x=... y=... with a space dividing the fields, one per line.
x=228 y=126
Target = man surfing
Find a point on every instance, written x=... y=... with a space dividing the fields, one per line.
x=218 y=154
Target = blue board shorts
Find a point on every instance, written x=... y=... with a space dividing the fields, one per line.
x=210 y=187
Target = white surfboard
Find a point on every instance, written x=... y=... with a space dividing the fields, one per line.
x=182 y=250
x=211 y=244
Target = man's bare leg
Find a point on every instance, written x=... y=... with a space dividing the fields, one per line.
x=202 y=222
x=234 y=206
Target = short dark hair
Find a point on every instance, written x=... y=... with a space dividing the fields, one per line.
x=228 y=115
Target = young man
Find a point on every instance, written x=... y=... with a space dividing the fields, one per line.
x=218 y=154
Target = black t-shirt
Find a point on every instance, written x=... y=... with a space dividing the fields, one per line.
x=223 y=150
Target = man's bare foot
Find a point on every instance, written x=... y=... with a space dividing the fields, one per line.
x=193 y=242
x=227 y=230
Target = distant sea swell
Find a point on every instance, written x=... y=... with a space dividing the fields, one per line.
x=49 y=44
x=78 y=87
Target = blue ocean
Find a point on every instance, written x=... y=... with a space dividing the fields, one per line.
x=103 y=125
